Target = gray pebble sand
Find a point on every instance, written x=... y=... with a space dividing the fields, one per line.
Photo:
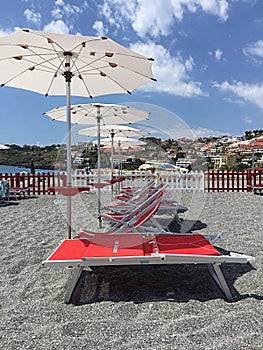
x=137 y=307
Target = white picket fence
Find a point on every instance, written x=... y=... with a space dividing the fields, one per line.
x=187 y=182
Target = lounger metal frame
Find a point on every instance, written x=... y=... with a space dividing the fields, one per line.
x=213 y=263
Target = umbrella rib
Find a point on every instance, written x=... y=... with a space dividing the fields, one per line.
x=100 y=69
x=33 y=52
x=56 y=69
x=80 y=77
x=135 y=72
x=90 y=65
x=46 y=38
x=129 y=56
x=37 y=66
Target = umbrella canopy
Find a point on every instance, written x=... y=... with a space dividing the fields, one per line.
x=4 y=147
x=40 y=62
x=58 y=64
x=99 y=114
x=123 y=141
x=125 y=147
x=112 y=130
x=93 y=112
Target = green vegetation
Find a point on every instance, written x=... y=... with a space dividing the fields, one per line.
x=253 y=133
x=49 y=157
x=43 y=157
x=90 y=152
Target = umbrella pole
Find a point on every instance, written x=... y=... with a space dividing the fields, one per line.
x=119 y=158
x=68 y=76
x=112 y=164
x=99 y=166
x=119 y=163
x=253 y=168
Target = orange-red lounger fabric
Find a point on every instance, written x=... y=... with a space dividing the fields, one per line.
x=109 y=245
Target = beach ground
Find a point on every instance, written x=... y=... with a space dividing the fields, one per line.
x=139 y=307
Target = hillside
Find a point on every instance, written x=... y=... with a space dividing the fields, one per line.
x=43 y=157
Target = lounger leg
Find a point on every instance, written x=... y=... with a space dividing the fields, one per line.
x=220 y=280
x=72 y=284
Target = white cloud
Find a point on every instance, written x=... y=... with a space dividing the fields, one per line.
x=191 y=133
x=248 y=92
x=248 y=120
x=5 y=32
x=99 y=28
x=106 y=10
x=189 y=64
x=170 y=72
x=155 y=18
x=56 y=13
x=254 y=49
x=56 y=27
x=65 y=9
x=70 y=10
x=204 y=132
x=59 y=3
x=218 y=55
x=32 y=17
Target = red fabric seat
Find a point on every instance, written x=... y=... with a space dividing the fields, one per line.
x=109 y=245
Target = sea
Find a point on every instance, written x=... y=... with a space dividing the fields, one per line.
x=14 y=169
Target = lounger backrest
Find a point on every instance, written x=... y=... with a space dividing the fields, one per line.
x=148 y=212
x=139 y=195
x=142 y=212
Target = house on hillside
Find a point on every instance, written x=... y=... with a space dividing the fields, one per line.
x=224 y=161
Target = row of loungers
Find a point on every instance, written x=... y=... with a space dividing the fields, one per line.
x=126 y=241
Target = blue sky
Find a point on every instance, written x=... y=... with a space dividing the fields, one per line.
x=208 y=63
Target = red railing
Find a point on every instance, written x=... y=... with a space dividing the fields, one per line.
x=215 y=181
x=233 y=181
x=255 y=180
x=34 y=183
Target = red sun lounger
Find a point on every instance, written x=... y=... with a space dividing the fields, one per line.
x=19 y=192
x=136 y=249
x=133 y=220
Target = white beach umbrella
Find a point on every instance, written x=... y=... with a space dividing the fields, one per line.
x=104 y=113
x=115 y=130
x=58 y=64
x=99 y=114
x=123 y=143
x=111 y=131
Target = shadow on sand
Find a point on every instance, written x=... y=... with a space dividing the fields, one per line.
x=139 y=284
x=175 y=283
